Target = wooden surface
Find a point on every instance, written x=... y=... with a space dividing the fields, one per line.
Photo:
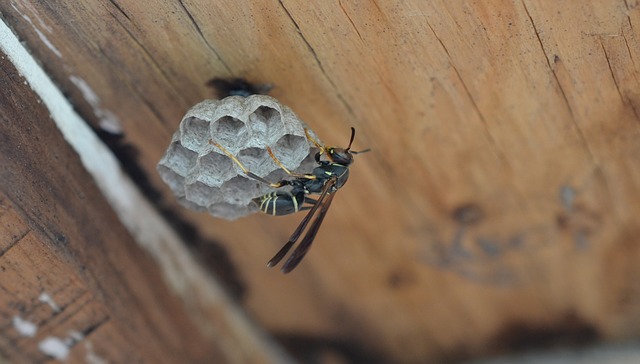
x=498 y=209
x=67 y=264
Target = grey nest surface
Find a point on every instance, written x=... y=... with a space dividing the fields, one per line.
x=204 y=178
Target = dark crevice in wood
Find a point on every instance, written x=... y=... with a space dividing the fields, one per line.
x=210 y=252
x=313 y=349
x=120 y=9
x=570 y=330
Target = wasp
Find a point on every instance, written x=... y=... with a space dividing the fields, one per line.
x=328 y=177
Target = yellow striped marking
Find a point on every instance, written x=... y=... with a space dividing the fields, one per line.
x=275 y=198
x=262 y=206
x=295 y=203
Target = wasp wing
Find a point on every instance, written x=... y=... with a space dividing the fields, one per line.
x=303 y=224
x=305 y=244
x=280 y=254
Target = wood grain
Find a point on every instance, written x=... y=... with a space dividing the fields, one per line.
x=502 y=194
x=67 y=265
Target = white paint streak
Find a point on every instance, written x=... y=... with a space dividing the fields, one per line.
x=45 y=298
x=46 y=41
x=24 y=327
x=41 y=35
x=91 y=97
x=29 y=6
x=54 y=347
x=91 y=357
x=74 y=337
x=109 y=122
x=188 y=279
x=59 y=348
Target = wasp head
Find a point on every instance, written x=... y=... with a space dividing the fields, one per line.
x=340 y=156
x=343 y=156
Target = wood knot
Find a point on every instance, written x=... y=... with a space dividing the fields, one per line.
x=468 y=214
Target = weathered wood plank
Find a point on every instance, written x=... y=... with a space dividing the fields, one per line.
x=70 y=273
x=500 y=200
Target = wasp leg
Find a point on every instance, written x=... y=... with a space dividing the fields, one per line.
x=244 y=169
x=310 y=200
x=292 y=174
x=315 y=142
x=323 y=149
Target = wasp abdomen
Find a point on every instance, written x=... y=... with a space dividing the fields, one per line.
x=280 y=203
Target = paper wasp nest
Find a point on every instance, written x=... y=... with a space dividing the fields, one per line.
x=203 y=177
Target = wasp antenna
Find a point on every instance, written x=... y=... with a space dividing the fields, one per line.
x=353 y=135
x=362 y=151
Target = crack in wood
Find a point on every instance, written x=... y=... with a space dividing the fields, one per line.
x=154 y=110
x=625 y=100
x=120 y=9
x=14 y=242
x=375 y=3
x=613 y=77
x=350 y=20
x=318 y=62
x=557 y=60
x=78 y=304
x=90 y=329
x=494 y=144
x=636 y=112
x=204 y=39
x=633 y=62
x=152 y=60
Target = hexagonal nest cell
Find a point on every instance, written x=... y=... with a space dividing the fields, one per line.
x=204 y=177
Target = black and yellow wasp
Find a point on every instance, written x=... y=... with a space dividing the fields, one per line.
x=327 y=178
